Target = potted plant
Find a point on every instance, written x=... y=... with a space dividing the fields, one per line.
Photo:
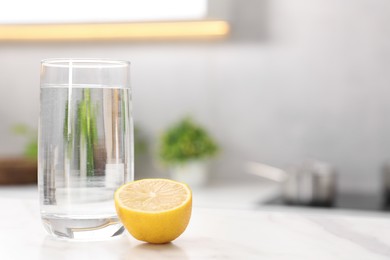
x=186 y=148
x=21 y=169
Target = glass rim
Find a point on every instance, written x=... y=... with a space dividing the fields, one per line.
x=84 y=63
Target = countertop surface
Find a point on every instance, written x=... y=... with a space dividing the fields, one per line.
x=226 y=232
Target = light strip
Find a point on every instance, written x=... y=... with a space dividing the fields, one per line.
x=115 y=31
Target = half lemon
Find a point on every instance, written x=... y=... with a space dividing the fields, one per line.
x=154 y=210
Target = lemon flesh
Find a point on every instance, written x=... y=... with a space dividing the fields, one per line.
x=154 y=210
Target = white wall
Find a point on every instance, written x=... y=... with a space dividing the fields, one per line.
x=306 y=79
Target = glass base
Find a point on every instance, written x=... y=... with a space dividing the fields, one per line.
x=85 y=229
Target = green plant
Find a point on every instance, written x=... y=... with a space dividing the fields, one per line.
x=186 y=141
x=140 y=142
x=88 y=128
x=31 y=148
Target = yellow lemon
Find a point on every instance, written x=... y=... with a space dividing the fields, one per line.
x=154 y=210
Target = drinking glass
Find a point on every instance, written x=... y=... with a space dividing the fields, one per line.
x=85 y=145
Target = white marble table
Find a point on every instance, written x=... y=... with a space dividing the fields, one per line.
x=212 y=234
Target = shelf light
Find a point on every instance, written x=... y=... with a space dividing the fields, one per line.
x=74 y=20
x=115 y=31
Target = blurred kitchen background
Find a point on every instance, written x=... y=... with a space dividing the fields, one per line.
x=293 y=80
